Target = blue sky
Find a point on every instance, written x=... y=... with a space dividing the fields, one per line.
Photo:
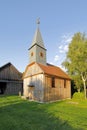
x=59 y=20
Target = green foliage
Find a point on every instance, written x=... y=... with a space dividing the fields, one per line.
x=76 y=59
x=19 y=114
x=78 y=95
x=78 y=82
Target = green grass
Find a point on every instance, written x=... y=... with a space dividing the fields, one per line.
x=19 y=114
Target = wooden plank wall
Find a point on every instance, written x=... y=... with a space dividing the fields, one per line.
x=58 y=92
x=13 y=88
x=10 y=73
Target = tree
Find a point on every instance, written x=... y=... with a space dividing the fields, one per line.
x=76 y=60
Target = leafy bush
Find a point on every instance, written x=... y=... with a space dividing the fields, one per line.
x=78 y=95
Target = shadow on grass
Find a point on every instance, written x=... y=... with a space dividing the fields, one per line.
x=25 y=115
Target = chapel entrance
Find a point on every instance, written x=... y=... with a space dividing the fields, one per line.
x=31 y=93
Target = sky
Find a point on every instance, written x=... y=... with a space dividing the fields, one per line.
x=59 y=21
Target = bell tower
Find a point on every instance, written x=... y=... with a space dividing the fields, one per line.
x=37 y=51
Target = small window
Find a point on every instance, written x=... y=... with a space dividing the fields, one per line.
x=53 y=82
x=64 y=83
x=32 y=54
x=41 y=54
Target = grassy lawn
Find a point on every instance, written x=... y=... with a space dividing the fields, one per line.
x=19 y=114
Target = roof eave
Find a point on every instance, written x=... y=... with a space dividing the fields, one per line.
x=68 y=78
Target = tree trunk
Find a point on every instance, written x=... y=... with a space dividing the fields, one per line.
x=84 y=78
x=84 y=89
x=78 y=89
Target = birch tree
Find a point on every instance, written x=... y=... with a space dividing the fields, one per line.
x=76 y=59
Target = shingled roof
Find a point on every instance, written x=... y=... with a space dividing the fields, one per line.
x=4 y=66
x=9 y=72
x=50 y=70
x=53 y=70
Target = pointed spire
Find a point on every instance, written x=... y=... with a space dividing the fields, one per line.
x=37 y=51
x=37 y=37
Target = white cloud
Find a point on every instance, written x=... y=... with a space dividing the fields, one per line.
x=51 y=63
x=63 y=68
x=68 y=40
x=60 y=55
x=65 y=48
x=61 y=51
x=65 y=40
x=60 y=47
x=56 y=58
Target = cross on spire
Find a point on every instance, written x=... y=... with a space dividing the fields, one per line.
x=38 y=21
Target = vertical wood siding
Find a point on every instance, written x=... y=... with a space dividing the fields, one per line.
x=37 y=82
x=58 y=92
